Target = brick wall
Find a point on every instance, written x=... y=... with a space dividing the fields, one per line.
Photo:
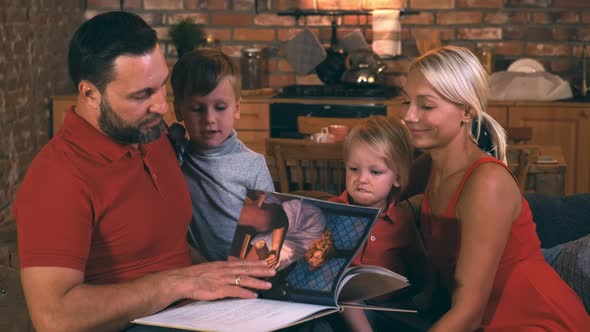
x=33 y=37
x=552 y=31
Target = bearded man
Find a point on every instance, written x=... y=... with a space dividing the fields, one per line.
x=103 y=212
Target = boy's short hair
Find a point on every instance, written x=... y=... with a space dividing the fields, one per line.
x=200 y=71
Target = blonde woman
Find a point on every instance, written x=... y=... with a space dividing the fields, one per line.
x=477 y=227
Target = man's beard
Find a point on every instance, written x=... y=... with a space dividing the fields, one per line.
x=115 y=127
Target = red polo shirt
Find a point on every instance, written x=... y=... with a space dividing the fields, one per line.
x=392 y=238
x=109 y=210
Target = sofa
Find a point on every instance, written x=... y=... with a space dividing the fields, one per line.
x=563 y=226
x=560 y=219
x=14 y=316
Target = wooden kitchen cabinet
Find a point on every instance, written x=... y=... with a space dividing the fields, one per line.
x=563 y=124
x=500 y=114
x=252 y=127
x=554 y=123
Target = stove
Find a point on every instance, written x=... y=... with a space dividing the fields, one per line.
x=283 y=114
x=340 y=91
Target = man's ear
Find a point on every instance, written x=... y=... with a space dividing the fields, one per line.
x=89 y=94
x=178 y=111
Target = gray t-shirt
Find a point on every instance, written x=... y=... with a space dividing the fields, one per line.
x=218 y=179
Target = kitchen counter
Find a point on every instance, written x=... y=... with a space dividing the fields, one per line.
x=267 y=97
x=562 y=123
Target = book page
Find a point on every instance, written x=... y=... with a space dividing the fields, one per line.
x=365 y=282
x=310 y=242
x=234 y=314
x=379 y=308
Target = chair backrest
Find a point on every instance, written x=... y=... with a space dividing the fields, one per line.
x=307 y=165
x=308 y=125
x=520 y=158
x=519 y=135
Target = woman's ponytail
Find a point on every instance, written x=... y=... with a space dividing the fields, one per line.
x=490 y=136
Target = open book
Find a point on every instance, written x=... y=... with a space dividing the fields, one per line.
x=311 y=243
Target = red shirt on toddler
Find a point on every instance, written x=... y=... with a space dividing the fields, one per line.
x=393 y=240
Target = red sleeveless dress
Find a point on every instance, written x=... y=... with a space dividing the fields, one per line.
x=527 y=295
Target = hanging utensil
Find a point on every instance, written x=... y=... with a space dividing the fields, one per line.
x=332 y=68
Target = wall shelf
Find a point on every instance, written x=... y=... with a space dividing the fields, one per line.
x=297 y=13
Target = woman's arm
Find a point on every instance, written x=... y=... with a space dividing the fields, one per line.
x=489 y=203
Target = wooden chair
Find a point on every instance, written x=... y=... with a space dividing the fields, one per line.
x=304 y=165
x=519 y=135
x=520 y=158
x=308 y=125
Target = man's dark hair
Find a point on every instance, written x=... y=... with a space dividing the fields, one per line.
x=100 y=40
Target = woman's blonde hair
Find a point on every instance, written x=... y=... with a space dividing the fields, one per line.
x=457 y=75
x=390 y=139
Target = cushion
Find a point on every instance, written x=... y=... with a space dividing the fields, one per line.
x=560 y=219
x=572 y=262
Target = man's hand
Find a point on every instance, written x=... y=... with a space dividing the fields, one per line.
x=216 y=280
x=59 y=300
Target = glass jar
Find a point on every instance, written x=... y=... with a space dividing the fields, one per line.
x=254 y=68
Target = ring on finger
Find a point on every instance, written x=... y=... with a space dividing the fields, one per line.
x=237 y=280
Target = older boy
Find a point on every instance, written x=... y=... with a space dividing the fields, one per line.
x=217 y=166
